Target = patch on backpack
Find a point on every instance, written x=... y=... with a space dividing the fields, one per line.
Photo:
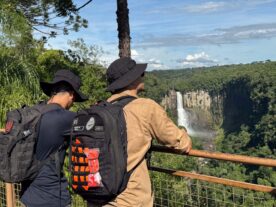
x=9 y=125
x=90 y=124
x=76 y=121
x=78 y=128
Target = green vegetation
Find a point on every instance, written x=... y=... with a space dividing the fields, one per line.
x=19 y=18
x=248 y=125
x=248 y=116
x=19 y=76
x=249 y=100
x=24 y=60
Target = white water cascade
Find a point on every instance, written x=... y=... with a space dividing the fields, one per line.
x=188 y=121
x=183 y=119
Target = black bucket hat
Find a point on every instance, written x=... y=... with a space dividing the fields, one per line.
x=68 y=77
x=122 y=72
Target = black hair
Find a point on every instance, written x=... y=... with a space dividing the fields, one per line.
x=119 y=90
x=61 y=87
x=127 y=87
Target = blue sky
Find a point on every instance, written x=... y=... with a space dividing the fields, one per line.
x=183 y=33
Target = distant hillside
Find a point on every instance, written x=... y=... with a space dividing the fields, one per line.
x=212 y=79
x=249 y=111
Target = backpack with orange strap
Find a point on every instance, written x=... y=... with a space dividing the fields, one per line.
x=98 y=151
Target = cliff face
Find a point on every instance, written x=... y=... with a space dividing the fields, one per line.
x=238 y=108
x=205 y=110
x=169 y=101
x=197 y=99
x=230 y=110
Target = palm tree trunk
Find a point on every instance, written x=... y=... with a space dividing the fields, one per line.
x=123 y=28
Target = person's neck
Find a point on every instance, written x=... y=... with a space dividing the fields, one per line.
x=132 y=92
x=57 y=101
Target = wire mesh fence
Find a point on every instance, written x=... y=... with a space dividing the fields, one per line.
x=174 y=191
x=17 y=189
x=77 y=201
x=2 y=194
x=171 y=191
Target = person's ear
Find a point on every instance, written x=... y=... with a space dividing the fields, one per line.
x=72 y=95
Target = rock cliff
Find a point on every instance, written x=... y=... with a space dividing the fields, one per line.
x=204 y=112
x=199 y=99
x=202 y=106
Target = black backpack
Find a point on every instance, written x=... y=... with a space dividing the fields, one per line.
x=18 y=143
x=98 y=151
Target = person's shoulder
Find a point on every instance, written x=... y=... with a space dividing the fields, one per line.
x=58 y=119
x=67 y=114
x=148 y=102
x=60 y=114
x=71 y=115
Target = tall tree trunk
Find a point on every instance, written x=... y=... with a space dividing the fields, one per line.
x=123 y=28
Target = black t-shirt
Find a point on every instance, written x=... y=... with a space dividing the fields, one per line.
x=44 y=190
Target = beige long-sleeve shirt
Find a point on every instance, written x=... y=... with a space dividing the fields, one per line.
x=146 y=120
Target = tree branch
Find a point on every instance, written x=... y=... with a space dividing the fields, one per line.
x=52 y=26
x=88 y=2
x=41 y=31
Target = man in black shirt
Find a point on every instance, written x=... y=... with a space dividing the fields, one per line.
x=49 y=188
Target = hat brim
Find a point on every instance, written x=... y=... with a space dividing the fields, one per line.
x=128 y=78
x=47 y=89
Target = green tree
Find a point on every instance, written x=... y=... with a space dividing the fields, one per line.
x=39 y=15
x=82 y=53
x=18 y=80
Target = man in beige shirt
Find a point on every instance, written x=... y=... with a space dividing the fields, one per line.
x=146 y=120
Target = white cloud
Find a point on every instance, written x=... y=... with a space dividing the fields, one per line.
x=154 y=61
x=205 y=7
x=107 y=58
x=155 y=64
x=213 y=6
x=134 y=53
x=216 y=37
x=197 y=60
x=254 y=33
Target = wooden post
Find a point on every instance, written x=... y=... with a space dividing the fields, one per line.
x=9 y=195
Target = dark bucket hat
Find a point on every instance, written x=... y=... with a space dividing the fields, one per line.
x=122 y=72
x=68 y=77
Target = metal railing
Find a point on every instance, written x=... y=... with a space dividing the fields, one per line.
x=177 y=188
x=219 y=156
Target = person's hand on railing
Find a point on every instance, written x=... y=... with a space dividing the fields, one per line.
x=2 y=130
x=189 y=142
x=189 y=146
x=182 y=127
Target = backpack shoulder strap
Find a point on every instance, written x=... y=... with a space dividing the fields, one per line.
x=123 y=101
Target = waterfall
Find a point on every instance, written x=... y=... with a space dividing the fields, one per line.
x=183 y=119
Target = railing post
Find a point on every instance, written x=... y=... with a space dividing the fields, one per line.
x=10 y=195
